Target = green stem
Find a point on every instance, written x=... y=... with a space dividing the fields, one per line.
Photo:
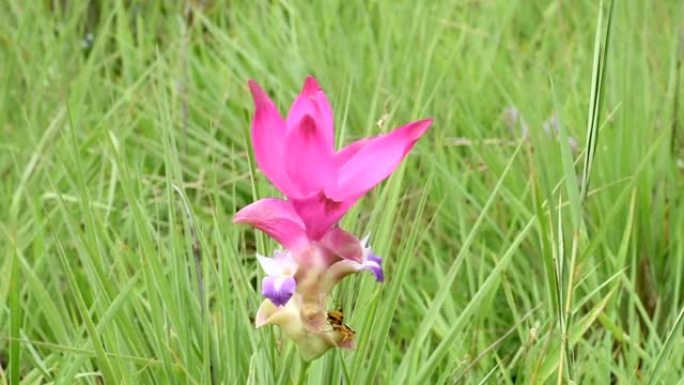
x=303 y=375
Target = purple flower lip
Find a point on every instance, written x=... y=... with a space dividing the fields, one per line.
x=279 y=284
x=278 y=289
x=373 y=263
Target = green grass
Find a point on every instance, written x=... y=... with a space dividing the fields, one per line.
x=505 y=262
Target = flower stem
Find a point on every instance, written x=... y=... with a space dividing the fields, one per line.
x=303 y=372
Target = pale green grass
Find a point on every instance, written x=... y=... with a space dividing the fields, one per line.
x=505 y=263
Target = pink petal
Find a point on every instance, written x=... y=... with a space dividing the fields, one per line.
x=268 y=138
x=308 y=159
x=376 y=161
x=313 y=102
x=278 y=219
x=319 y=213
x=346 y=153
x=343 y=244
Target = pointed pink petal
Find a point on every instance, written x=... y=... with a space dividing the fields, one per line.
x=376 y=161
x=343 y=244
x=319 y=213
x=313 y=102
x=346 y=153
x=308 y=159
x=268 y=138
x=277 y=218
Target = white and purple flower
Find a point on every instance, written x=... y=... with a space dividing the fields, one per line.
x=279 y=284
x=372 y=262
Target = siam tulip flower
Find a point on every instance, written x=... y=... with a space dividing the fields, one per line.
x=320 y=185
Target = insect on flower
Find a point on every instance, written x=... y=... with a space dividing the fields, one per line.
x=336 y=320
x=335 y=317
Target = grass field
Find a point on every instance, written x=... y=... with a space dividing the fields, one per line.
x=505 y=262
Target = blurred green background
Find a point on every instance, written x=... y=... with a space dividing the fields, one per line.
x=499 y=269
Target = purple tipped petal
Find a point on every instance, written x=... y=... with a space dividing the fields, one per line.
x=278 y=289
x=374 y=264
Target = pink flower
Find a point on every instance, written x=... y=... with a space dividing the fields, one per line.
x=298 y=156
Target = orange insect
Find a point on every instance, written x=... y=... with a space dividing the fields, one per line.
x=336 y=320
